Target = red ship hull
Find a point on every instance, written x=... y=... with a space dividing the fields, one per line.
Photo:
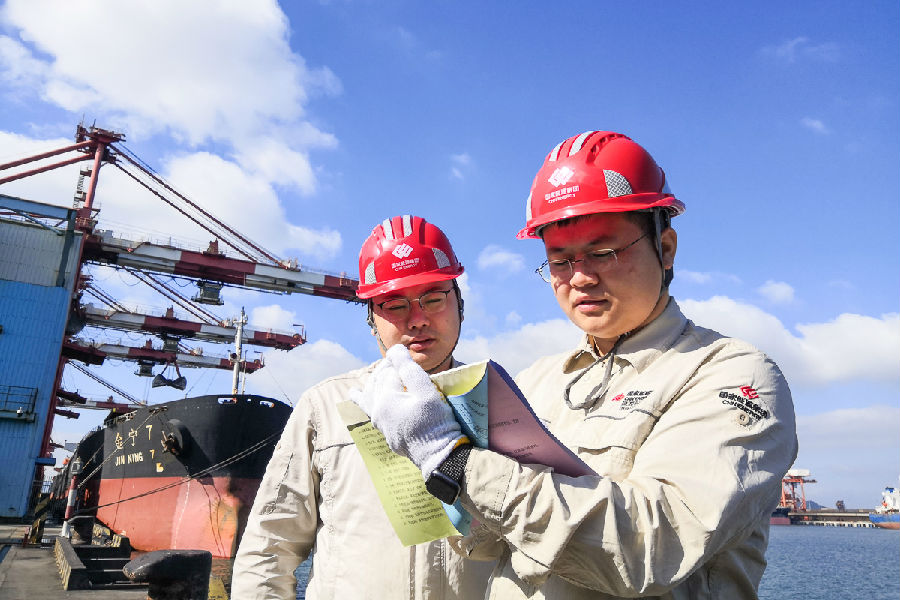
x=179 y=475
x=208 y=514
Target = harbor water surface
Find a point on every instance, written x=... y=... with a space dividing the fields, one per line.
x=832 y=563
x=808 y=562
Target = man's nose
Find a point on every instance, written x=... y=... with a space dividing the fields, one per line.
x=582 y=275
x=417 y=317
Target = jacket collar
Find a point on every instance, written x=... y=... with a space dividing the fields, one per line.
x=640 y=348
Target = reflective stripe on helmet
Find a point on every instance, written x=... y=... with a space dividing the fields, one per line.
x=576 y=145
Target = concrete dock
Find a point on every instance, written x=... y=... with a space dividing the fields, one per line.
x=30 y=572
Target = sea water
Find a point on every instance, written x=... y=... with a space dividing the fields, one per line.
x=810 y=562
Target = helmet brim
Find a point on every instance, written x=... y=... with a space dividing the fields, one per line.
x=364 y=292
x=631 y=203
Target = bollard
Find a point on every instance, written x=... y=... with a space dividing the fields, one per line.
x=172 y=574
x=70 y=508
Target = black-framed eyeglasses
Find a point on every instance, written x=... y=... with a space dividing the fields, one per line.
x=596 y=261
x=397 y=309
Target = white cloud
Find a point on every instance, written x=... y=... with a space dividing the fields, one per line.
x=291 y=373
x=496 y=257
x=460 y=162
x=272 y=317
x=799 y=48
x=843 y=429
x=852 y=453
x=277 y=163
x=463 y=282
x=777 y=292
x=846 y=348
x=53 y=187
x=842 y=284
x=18 y=68
x=705 y=277
x=815 y=125
x=404 y=38
x=694 y=276
x=213 y=72
x=513 y=319
x=515 y=350
x=222 y=188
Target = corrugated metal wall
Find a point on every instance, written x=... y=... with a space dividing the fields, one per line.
x=34 y=303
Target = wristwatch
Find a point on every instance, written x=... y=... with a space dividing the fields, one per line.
x=445 y=482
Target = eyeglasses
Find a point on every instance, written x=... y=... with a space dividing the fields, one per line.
x=397 y=309
x=596 y=261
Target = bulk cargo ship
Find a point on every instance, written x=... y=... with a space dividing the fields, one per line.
x=180 y=474
x=176 y=474
x=887 y=515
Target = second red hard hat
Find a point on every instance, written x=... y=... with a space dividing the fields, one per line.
x=596 y=172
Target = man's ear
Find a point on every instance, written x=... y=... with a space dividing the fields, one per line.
x=669 y=244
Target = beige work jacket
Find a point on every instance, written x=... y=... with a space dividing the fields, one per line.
x=690 y=442
x=317 y=496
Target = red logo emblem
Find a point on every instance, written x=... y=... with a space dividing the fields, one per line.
x=749 y=392
x=618 y=398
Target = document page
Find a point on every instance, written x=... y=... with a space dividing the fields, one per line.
x=415 y=515
x=493 y=413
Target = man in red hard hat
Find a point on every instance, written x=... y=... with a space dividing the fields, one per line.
x=689 y=432
x=317 y=495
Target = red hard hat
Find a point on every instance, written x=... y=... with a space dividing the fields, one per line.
x=403 y=252
x=596 y=172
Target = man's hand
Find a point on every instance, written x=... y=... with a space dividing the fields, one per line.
x=406 y=406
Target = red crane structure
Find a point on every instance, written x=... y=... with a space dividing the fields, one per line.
x=789 y=497
x=253 y=267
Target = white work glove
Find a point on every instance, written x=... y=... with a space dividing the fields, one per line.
x=417 y=421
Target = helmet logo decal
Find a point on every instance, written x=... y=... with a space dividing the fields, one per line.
x=561 y=176
x=402 y=251
x=616 y=184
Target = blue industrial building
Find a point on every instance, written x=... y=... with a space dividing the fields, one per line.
x=39 y=254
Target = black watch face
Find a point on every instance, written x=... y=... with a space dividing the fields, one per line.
x=442 y=487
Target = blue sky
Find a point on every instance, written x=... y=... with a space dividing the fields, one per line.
x=304 y=124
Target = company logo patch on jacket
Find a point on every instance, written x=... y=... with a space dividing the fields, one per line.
x=752 y=411
x=629 y=400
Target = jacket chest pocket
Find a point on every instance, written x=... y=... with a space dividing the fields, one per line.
x=609 y=440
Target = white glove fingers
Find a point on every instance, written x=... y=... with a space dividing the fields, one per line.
x=411 y=374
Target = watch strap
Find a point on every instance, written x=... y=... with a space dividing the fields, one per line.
x=454 y=466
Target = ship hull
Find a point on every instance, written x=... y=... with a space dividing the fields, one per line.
x=206 y=514
x=780 y=516
x=181 y=474
x=885 y=521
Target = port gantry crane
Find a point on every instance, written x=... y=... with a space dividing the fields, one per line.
x=249 y=265
x=789 y=497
